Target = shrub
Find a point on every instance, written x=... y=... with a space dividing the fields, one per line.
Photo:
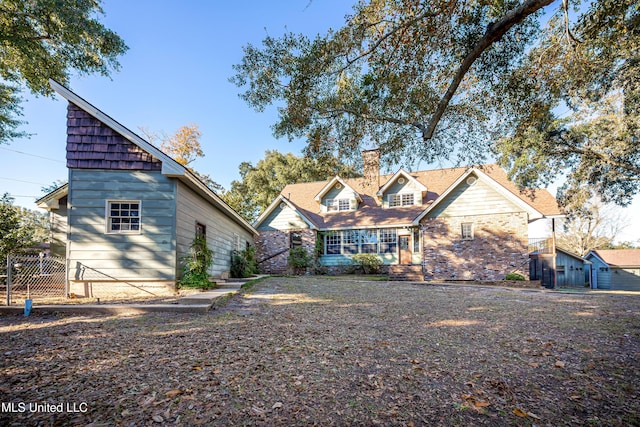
x=243 y=263
x=514 y=276
x=195 y=271
x=299 y=260
x=370 y=263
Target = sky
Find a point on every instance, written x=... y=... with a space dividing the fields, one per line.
x=177 y=72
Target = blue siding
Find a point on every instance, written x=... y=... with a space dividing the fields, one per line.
x=97 y=255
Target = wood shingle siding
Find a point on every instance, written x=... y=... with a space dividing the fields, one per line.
x=93 y=145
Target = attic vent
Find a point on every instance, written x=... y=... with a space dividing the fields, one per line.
x=472 y=180
x=283 y=205
x=401 y=180
x=338 y=186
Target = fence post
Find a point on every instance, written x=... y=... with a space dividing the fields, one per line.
x=8 y=280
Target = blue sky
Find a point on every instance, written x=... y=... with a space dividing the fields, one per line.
x=176 y=72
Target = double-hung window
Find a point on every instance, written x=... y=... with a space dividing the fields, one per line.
x=123 y=216
x=467 y=231
x=388 y=241
x=400 y=199
x=334 y=205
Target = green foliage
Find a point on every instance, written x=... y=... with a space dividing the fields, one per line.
x=44 y=39
x=369 y=263
x=262 y=183
x=514 y=276
x=432 y=81
x=243 y=263
x=20 y=228
x=299 y=259
x=195 y=269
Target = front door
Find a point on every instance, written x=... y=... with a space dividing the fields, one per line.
x=405 y=249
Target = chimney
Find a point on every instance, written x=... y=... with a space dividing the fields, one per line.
x=371 y=169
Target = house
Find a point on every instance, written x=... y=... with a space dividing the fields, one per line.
x=571 y=269
x=617 y=269
x=129 y=212
x=455 y=224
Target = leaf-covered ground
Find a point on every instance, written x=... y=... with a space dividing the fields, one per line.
x=320 y=351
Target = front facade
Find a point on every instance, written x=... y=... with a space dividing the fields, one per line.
x=455 y=224
x=615 y=269
x=130 y=212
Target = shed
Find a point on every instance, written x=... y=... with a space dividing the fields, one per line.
x=616 y=269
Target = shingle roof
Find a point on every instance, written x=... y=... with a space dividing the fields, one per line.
x=370 y=213
x=620 y=257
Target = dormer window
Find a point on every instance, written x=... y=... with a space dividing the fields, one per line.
x=335 y=205
x=401 y=199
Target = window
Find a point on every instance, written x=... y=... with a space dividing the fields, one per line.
x=334 y=205
x=201 y=230
x=416 y=240
x=401 y=199
x=388 y=241
x=123 y=216
x=295 y=240
x=350 y=242
x=369 y=239
x=467 y=231
x=333 y=243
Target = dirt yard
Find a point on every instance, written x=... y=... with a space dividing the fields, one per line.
x=320 y=351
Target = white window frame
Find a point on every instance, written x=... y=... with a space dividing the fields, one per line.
x=401 y=199
x=467 y=231
x=108 y=216
x=338 y=205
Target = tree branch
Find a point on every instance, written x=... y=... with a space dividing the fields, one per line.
x=494 y=32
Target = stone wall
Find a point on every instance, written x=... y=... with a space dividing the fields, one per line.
x=271 y=242
x=498 y=247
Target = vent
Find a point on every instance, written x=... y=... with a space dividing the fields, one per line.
x=401 y=180
x=472 y=180
x=338 y=186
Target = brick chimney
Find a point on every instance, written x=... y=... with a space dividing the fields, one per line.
x=371 y=169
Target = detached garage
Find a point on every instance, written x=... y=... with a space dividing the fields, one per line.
x=617 y=269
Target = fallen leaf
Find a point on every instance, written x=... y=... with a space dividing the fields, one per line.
x=519 y=412
x=559 y=364
x=157 y=418
x=196 y=368
x=173 y=393
x=481 y=403
x=277 y=405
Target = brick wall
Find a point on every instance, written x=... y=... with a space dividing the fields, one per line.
x=270 y=242
x=499 y=246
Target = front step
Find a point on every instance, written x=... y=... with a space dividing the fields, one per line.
x=407 y=273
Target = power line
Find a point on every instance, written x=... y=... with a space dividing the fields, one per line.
x=19 y=180
x=32 y=155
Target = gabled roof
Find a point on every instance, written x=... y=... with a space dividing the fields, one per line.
x=330 y=185
x=401 y=173
x=617 y=257
x=170 y=167
x=276 y=203
x=495 y=185
x=51 y=200
x=371 y=214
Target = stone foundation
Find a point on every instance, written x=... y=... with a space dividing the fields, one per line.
x=272 y=248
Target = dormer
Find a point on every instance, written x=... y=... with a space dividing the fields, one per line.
x=402 y=189
x=337 y=196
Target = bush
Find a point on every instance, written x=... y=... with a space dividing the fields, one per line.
x=195 y=271
x=243 y=263
x=370 y=263
x=299 y=260
x=514 y=276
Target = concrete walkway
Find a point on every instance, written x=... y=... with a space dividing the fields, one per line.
x=200 y=302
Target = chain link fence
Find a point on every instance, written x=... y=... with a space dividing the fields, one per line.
x=35 y=277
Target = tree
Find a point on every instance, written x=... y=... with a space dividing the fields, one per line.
x=45 y=39
x=594 y=225
x=184 y=147
x=261 y=184
x=461 y=81
x=19 y=228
